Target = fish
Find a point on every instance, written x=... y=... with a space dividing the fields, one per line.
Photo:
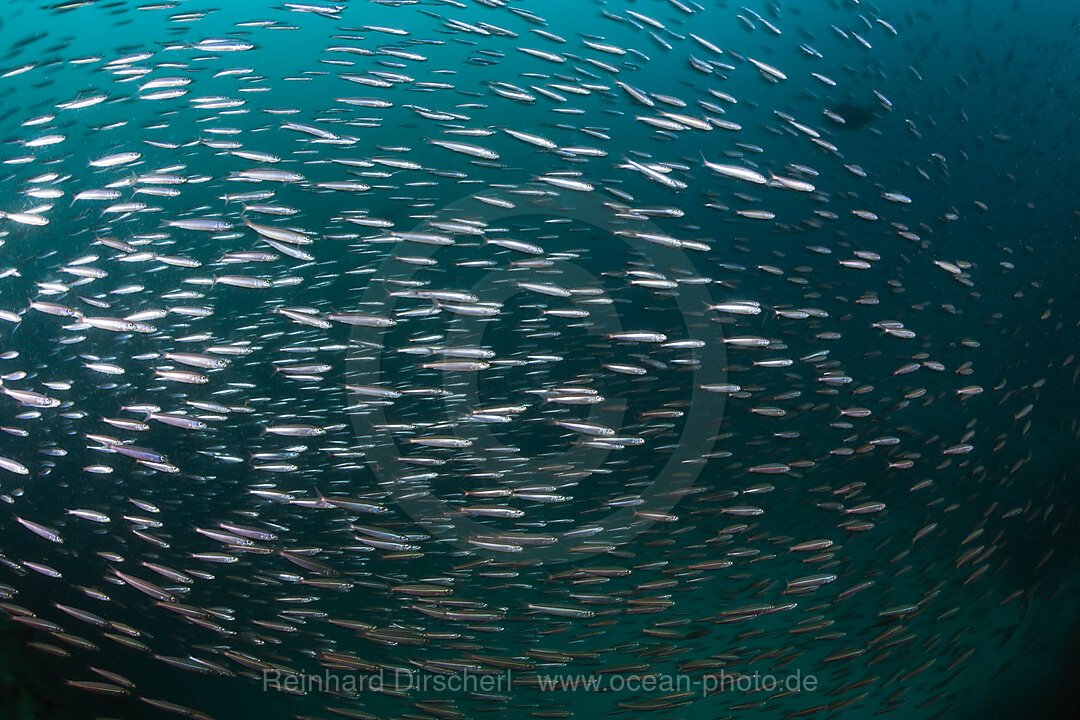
x=621 y=358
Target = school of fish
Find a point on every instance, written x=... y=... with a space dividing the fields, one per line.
x=486 y=336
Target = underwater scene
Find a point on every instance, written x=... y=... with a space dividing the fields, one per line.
x=455 y=359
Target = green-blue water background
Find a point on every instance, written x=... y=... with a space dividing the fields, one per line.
x=995 y=100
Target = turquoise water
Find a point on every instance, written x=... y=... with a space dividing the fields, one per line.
x=662 y=377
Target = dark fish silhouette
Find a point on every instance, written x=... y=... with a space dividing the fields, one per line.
x=854 y=116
